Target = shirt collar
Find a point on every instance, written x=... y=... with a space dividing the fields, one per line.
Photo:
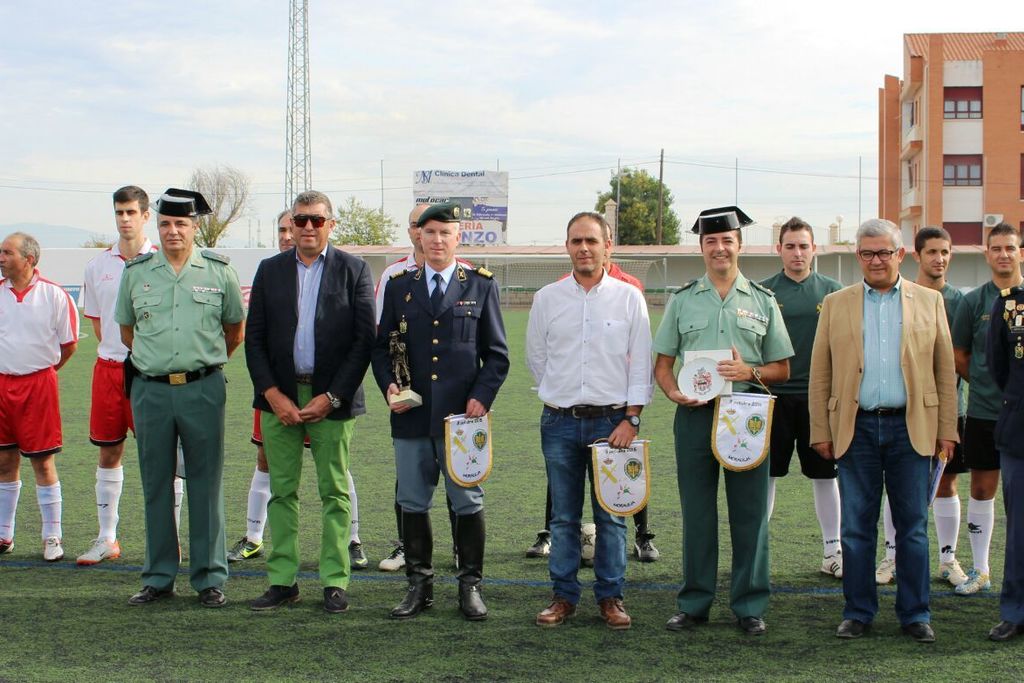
x=446 y=274
x=740 y=284
x=321 y=256
x=896 y=288
x=147 y=247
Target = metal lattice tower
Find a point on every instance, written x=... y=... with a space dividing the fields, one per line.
x=298 y=175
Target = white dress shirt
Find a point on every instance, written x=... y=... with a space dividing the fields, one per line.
x=590 y=348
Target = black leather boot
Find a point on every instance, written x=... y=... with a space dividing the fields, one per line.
x=419 y=547
x=471 y=535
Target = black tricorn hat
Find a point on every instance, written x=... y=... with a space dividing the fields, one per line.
x=722 y=219
x=182 y=203
x=446 y=213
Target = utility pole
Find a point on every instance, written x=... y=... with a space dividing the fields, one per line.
x=661 y=190
x=618 y=191
x=381 y=188
x=298 y=174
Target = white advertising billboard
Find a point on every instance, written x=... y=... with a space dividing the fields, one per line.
x=482 y=195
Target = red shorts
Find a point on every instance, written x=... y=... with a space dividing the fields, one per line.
x=257 y=430
x=111 y=415
x=30 y=413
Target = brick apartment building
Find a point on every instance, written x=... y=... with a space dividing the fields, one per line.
x=951 y=134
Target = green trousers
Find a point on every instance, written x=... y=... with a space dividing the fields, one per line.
x=193 y=412
x=329 y=442
x=747 y=496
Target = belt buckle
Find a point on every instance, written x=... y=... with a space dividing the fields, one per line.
x=177 y=378
x=576 y=414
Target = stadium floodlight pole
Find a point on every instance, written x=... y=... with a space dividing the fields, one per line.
x=661 y=190
x=298 y=174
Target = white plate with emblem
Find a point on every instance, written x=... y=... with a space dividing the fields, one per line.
x=699 y=379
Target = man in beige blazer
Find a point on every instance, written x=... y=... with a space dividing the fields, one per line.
x=882 y=401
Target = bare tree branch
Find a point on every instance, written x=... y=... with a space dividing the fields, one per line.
x=227 y=190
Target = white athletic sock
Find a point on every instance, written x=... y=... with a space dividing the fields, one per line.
x=10 y=491
x=354 y=507
x=947 y=526
x=256 y=513
x=981 y=516
x=890 y=530
x=50 y=507
x=179 y=492
x=826 y=505
x=109 y=481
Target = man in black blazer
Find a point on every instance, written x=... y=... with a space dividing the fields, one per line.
x=449 y=318
x=310 y=332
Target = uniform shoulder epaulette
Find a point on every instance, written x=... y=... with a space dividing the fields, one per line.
x=1019 y=289
x=141 y=258
x=398 y=274
x=764 y=289
x=480 y=270
x=689 y=284
x=214 y=256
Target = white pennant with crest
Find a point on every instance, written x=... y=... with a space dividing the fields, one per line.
x=622 y=476
x=742 y=425
x=467 y=449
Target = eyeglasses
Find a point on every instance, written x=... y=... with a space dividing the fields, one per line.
x=300 y=220
x=868 y=256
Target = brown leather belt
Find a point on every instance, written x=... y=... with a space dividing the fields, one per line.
x=587 y=411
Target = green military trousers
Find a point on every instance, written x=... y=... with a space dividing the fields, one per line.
x=747 y=496
x=329 y=441
x=193 y=412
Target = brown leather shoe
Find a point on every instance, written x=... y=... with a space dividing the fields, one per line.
x=614 y=614
x=556 y=613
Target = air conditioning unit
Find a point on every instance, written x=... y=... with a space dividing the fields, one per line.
x=992 y=219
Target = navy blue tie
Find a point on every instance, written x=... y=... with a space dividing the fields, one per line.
x=437 y=295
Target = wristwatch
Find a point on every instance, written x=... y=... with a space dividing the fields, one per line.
x=335 y=401
x=634 y=420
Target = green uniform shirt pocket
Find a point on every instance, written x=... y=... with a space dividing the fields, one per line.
x=210 y=307
x=148 y=318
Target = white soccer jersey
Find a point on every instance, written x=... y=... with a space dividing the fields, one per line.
x=99 y=296
x=34 y=324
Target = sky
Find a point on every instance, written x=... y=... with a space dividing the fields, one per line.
x=558 y=94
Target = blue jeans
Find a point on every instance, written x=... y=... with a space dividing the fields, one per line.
x=566 y=441
x=881 y=453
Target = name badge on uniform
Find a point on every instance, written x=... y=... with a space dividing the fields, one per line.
x=742 y=425
x=207 y=290
x=623 y=476
x=743 y=313
x=467 y=449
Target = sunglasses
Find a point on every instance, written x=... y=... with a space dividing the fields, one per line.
x=300 y=220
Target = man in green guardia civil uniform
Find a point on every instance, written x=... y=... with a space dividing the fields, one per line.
x=180 y=313
x=721 y=310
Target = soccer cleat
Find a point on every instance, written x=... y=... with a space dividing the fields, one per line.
x=101 y=549
x=53 y=549
x=588 y=543
x=541 y=547
x=952 y=572
x=244 y=549
x=394 y=561
x=886 y=572
x=356 y=556
x=644 y=549
x=6 y=545
x=976 y=582
x=833 y=566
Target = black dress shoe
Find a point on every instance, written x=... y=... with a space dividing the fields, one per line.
x=471 y=602
x=685 y=622
x=335 y=600
x=753 y=626
x=1005 y=630
x=275 y=597
x=920 y=631
x=149 y=594
x=212 y=597
x=418 y=598
x=851 y=628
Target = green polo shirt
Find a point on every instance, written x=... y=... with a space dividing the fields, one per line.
x=800 y=303
x=698 y=319
x=951 y=297
x=970 y=333
x=178 y=317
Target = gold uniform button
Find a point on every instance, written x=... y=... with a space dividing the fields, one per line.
x=433 y=377
x=434 y=359
x=436 y=323
x=434 y=341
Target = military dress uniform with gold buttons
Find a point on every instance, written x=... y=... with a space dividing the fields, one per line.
x=699 y=319
x=1005 y=355
x=179 y=392
x=457 y=352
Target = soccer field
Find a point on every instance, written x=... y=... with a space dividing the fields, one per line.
x=62 y=622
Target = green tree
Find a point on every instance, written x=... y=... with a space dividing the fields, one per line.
x=638 y=209
x=361 y=225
